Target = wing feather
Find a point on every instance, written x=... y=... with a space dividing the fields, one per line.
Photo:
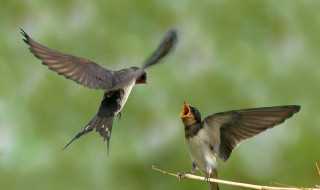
x=80 y=70
x=238 y=125
x=165 y=47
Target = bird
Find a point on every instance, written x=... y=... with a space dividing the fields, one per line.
x=116 y=84
x=218 y=134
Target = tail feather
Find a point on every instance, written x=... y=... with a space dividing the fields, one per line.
x=103 y=125
x=85 y=130
x=214 y=186
x=104 y=128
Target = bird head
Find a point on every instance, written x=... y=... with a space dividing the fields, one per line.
x=190 y=115
x=142 y=79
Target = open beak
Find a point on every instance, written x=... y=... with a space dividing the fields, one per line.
x=186 y=111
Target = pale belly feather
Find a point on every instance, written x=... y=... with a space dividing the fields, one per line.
x=201 y=153
x=127 y=91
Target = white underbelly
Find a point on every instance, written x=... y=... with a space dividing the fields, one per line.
x=201 y=154
x=127 y=91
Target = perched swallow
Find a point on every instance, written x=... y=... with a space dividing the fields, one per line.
x=117 y=85
x=218 y=134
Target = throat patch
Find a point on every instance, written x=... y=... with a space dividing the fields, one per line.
x=192 y=130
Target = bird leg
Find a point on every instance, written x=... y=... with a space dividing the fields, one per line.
x=181 y=175
x=194 y=168
x=208 y=175
x=119 y=115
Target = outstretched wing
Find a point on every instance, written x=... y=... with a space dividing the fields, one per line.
x=123 y=77
x=164 y=48
x=238 y=125
x=80 y=70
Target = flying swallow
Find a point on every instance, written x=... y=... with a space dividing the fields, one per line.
x=218 y=134
x=117 y=85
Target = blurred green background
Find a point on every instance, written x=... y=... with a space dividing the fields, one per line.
x=230 y=55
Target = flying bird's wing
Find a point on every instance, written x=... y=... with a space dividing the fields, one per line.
x=238 y=125
x=80 y=70
x=164 y=48
x=123 y=77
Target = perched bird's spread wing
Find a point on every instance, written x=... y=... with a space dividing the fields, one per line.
x=239 y=125
x=80 y=70
x=164 y=48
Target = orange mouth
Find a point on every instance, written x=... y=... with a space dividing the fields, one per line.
x=186 y=112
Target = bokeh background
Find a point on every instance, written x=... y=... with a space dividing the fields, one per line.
x=230 y=55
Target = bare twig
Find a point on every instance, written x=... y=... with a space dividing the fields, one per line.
x=318 y=168
x=225 y=182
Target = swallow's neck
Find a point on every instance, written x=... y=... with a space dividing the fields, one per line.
x=192 y=130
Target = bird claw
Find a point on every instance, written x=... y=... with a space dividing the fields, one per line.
x=119 y=116
x=181 y=175
x=207 y=179
x=194 y=168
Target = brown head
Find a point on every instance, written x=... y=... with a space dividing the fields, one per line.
x=190 y=115
x=142 y=79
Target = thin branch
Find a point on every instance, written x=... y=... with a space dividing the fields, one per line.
x=226 y=182
x=318 y=168
x=318 y=171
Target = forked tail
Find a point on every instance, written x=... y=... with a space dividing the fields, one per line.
x=103 y=125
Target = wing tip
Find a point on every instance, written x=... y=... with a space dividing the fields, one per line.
x=167 y=44
x=26 y=37
x=297 y=108
x=173 y=34
x=171 y=37
x=290 y=111
x=294 y=108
